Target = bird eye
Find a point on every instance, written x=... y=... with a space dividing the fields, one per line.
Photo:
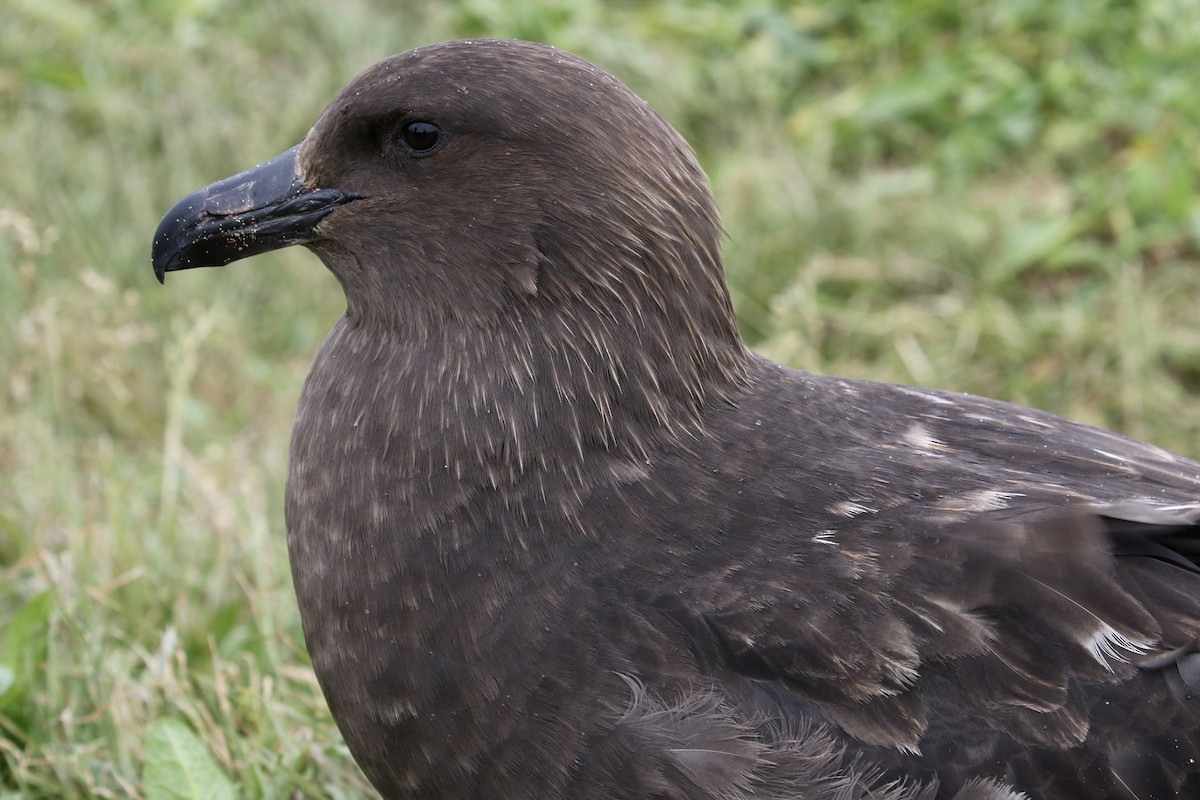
x=421 y=137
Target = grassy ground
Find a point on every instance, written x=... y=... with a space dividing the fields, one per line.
x=994 y=197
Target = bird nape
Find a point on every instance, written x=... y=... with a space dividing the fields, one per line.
x=556 y=533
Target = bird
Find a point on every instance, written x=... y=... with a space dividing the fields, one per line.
x=556 y=532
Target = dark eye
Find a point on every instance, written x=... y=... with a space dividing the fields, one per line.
x=421 y=137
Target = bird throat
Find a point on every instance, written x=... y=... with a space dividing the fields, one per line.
x=454 y=518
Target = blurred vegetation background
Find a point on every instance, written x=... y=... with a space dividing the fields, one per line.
x=996 y=197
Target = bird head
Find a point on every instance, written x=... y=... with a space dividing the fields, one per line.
x=468 y=181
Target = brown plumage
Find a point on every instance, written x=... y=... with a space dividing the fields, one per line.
x=556 y=533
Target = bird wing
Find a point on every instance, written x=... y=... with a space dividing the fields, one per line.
x=933 y=564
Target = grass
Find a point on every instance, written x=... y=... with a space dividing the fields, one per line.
x=999 y=198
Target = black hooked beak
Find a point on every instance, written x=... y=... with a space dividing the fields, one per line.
x=261 y=209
